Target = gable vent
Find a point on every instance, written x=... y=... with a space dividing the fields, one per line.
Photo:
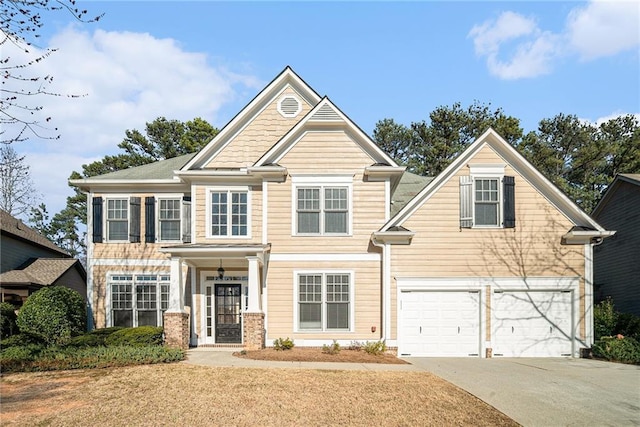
x=289 y=106
x=326 y=113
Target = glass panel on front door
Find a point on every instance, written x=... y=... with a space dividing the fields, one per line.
x=228 y=327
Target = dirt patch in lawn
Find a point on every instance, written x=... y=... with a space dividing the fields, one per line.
x=181 y=394
x=300 y=354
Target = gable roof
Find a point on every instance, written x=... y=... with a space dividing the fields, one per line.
x=40 y=271
x=630 y=178
x=161 y=169
x=325 y=114
x=517 y=162
x=16 y=228
x=286 y=78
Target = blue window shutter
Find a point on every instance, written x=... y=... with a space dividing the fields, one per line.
x=466 y=202
x=509 y=202
x=134 y=226
x=150 y=219
x=97 y=219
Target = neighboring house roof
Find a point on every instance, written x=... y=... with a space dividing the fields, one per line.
x=631 y=178
x=563 y=203
x=39 y=271
x=410 y=185
x=16 y=228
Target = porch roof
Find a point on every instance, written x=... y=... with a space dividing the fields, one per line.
x=217 y=250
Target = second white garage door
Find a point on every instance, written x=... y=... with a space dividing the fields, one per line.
x=532 y=324
x=439 y=323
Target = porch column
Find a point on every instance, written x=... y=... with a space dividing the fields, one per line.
x=253 y=325
x=254 y=285
x=176 y=319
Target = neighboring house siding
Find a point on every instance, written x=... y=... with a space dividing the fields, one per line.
x=259 y=135
x=15 y=252
x=73 y=279
x=617 y=270
x=442 y=249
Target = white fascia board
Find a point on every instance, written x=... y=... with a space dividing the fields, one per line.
x=382 y=173
x=286 y=78
x=89 y=184
x=284 y=257
x=582 y=237
x=393 y=237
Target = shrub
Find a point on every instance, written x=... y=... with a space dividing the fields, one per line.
x=628 y=325
x=283 y=344
x=8 y=317
x=374 y=347
x=333 y=348
x=85 y=358
x=55 y=313
x=95 y=338
x=20 y=340
x=604 y=319
x=626 y=350
x=136 y=337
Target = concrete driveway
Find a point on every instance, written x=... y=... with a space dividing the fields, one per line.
x=548 y=391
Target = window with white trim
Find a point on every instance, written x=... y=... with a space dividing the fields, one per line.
x=118 y=219
x=229 y=213
x=322 y=210
x=487 y=198
x=138 y=299
x=324 y=301
x=169 y=219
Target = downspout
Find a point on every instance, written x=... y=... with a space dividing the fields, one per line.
x=386 y=289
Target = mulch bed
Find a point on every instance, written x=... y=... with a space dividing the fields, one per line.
x=300 y=354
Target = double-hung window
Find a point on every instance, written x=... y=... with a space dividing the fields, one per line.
x=169 y=219
x=117 y=219
x=229 y=213
x=487 y=198
x=324 y=301
x=322 y=208
x=138 y=299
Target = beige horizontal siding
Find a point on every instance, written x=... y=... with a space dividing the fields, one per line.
x=202 y=220
x=367 y=304
x=258 y=136
x=441 y=249
x=335 y=153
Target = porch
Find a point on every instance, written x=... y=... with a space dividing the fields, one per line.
x=226 y=299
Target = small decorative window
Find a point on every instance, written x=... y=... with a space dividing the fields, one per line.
x=487 y=202
x=289 y=106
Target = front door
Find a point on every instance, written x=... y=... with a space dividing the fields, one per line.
x=227 y=311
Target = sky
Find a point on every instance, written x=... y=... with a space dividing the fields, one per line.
x=374 y=60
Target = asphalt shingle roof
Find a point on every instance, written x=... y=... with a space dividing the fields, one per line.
x=15 y=227
x=162 y=169
x=40 y=271
x=410 y=184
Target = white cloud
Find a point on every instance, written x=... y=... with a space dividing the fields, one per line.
x=601 y=28
x=532 y=54
x=600 y=120
x=604 y=28
x=129 y=79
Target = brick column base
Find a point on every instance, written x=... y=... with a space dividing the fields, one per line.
x=253 y=331
x=176 y=329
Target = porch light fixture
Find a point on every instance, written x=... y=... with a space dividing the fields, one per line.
x=221 y=271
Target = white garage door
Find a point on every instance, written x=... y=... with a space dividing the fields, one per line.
x=531 y=324
x=438 y=324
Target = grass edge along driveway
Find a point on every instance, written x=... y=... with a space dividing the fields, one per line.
x=182 y=394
